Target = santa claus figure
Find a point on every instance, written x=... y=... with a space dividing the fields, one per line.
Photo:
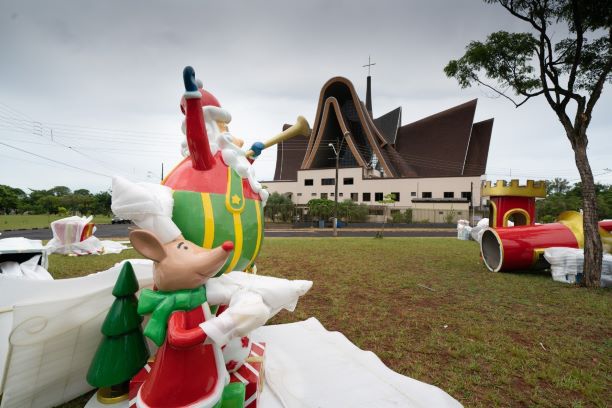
x=216 y=121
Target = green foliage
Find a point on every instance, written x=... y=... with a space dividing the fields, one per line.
x=557 y=186
x=408 y=216
x=398 y=216
x=279 y=207
x=561 y=197
x=504 y=56
x=321 y=208
x=512 y=59
x=450 y=217
x=58 y=200
x=350 y=211
x=9 y=198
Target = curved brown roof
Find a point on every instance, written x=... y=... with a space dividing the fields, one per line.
x=289 y=156
x=437 y=145
x=343 y=91
x=447 y=143
x=478 y=149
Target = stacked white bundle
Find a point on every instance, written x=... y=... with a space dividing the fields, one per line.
x=566 y=265
x=463 y=230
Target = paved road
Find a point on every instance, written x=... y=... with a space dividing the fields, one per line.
x=102 y=231
x=121 y=231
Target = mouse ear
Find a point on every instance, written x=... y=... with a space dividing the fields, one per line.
x=147 y=244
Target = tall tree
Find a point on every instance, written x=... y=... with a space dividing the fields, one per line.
x=557 y=186
x=60 y=191
x=279 y=205
x=570 y=73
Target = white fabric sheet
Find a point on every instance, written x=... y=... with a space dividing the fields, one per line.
x=55 y=329
x=308 y=366
x=29 y=269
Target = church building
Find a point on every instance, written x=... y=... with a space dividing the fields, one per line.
x=435 y=162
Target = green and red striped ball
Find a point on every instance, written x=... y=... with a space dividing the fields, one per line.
x=217 y=205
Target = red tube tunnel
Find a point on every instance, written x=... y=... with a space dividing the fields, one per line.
x=520 y=248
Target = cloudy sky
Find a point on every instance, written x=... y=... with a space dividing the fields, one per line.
x=89 y=89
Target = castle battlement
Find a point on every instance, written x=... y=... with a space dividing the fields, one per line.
x=502 y=188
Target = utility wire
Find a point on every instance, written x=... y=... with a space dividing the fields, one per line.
x=55 y=161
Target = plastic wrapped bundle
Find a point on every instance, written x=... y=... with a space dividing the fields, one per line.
x=463 y=230
x=606 y=271
x=566 y=265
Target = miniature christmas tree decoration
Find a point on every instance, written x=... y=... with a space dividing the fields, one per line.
x=123 y=350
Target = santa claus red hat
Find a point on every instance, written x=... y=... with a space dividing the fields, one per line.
x=207 y=98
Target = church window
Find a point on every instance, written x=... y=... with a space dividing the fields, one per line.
x=449 y=194
x=328 y=182
x=308 y=182
x=426 y=194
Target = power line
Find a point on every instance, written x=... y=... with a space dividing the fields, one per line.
x=55 y=161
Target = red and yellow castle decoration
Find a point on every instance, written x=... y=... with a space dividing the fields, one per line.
x=522 y=246
x=512 y=201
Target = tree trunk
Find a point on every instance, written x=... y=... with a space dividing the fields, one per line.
x=593 y=250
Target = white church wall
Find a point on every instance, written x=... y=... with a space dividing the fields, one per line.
x=408 y=188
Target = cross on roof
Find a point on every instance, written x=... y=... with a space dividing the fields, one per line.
x=369 y=64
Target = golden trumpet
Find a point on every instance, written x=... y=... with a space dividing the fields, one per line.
x=300 y=128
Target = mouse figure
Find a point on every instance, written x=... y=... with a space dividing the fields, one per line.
x=189 y=369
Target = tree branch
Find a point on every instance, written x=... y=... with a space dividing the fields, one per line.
x=578 y=54
x=510 y=9
x=541 y=60
x=500 y=93
x=597 y=89
x=551 y=72
x=515 y=103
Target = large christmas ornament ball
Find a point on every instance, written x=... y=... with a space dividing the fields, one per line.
x=217 y=205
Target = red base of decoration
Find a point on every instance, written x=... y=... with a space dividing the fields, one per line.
x=251 y=374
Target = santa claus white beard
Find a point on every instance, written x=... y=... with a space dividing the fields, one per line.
x=232 y=155
x=212 y=131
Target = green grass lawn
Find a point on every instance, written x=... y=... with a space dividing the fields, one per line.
x=487 y=339
x=8 y=222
